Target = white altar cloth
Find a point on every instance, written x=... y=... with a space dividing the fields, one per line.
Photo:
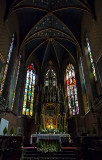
x=48 y=137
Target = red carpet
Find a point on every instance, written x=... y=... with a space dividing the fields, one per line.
x=29 y=147
x=61 y=147
x=68 y=147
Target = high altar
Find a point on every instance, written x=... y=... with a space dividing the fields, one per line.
x=52 y=113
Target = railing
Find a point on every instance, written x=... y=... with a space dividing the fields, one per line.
x=91 y=147
x=11 y=142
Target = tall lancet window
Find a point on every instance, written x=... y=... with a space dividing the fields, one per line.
x=50 y=86
x=72 y=90
x=7 y=64
x=91 y=58
x=29 y=91
x=50 y=78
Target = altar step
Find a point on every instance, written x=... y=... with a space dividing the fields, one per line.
x=31 y=154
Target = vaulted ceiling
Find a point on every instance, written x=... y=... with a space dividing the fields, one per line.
x=49 y=29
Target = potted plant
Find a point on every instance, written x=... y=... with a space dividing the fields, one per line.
x=12 y=131
x=61 y=129
x=88 y=132
x=94 y=131
x=5 y=131
x=64 y=130
x=40 y=129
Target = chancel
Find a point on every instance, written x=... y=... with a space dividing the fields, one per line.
x=51 y=79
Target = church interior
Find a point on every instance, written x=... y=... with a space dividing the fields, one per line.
x=51 y=74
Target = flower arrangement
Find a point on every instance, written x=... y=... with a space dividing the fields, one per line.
x=47 y=146
x=44 y=131
x=56 y=130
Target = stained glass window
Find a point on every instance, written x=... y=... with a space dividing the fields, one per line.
x=2 y=67
x=7 y=64
x=16 y=80
x=50 y=78
x=29 y=91
x=99 y=64
x=72 y=90
x=83 y=85
x=91 y=58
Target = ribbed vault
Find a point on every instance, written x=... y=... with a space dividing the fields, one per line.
x=50 y=29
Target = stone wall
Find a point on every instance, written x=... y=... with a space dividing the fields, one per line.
x=12 y=121
x=93 y=28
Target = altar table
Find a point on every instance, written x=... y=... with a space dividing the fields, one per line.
x=47 y=137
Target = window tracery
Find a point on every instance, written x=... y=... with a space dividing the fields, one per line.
x=7 y=64
x=72 y=90
x=91 y=59
x=29 y=91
